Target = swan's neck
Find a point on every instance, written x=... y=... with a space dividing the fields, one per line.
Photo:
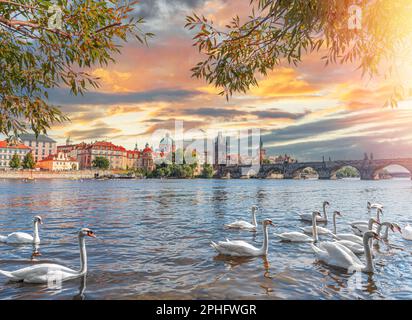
x=265 y=245
x=36 y=238
x=386 y=234
x=325 y=215
x=254 y=218
x=368 y=255
x=378 y=215
x=83 y=255
x=370 y=224
x=334 y=223
x=314 y=229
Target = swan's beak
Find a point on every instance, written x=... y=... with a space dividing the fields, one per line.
x=91 y=234
x=377 y=237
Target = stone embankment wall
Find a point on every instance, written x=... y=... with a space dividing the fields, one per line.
x=81 y=174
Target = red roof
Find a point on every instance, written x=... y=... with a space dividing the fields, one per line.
x=104 y=144
x=4 y=144
x=147 y=150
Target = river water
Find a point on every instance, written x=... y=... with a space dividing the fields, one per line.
x=154 y=235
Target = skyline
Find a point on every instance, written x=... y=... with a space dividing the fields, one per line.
x=307 y=111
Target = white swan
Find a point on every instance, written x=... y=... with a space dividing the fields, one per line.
x=239 y=248
x=355 y=247
x=337 y=255
x=308 y=216
x=321 y=230
x=353 y=237
x=393 y=226
x=45 y=272
x=360 y=229
x=374 y=206
x=22 y=237
x=352 y=246
x=407 y=232
x=299 y=236
x=241 y=224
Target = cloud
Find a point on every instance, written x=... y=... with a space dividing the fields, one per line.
x=92 y=134
x=62 y=97
x=148 y=9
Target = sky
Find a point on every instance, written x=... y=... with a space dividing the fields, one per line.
x=307 y=111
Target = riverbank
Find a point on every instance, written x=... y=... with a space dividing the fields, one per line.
x=27 y=174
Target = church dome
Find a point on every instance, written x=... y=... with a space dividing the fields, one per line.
x=166 y=144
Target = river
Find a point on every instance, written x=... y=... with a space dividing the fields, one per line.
x=154 y=235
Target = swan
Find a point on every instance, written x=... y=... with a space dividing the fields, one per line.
x=393 y=226
x=22 y=237
x=379 y=212
x=407 y=232
x=308 y=216
x=352 y=246
x=374 y=206
x=321 y=230
x=337 y=255
x=353 y=237
x=355 y=247
x=360 y=229
x=299 y=236
x=241 y=224
x=239 y=248
x=45 y=272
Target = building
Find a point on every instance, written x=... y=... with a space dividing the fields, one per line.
x=133 y=158
x=8 y=150
x=87 y=153
x=282 y=159
x=147 y=158
x=42 y=146
x=58 y=162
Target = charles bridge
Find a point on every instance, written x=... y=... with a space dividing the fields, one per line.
x=368 y=168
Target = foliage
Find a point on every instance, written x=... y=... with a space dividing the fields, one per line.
x=207 y=171
x=36 y=57
x=101 y=163
x=180 y=171
x=347 y=172
x=279 y=31
x=28 y=161
x=15 y=162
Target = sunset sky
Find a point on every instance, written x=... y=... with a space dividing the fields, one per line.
x=307 y=111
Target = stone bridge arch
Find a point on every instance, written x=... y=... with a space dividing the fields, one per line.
x=379 y=167
x=334 y=169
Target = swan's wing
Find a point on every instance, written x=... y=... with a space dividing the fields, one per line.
x=40 y=270
x=19 y=237
x=338 y=255
x=350 y=237
x=293 y=236
x=305 y=216
x=342 y=253
x=363 y=222
x=238 y=247
x=240 y=224
x=353 y=246
x=321 y=254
